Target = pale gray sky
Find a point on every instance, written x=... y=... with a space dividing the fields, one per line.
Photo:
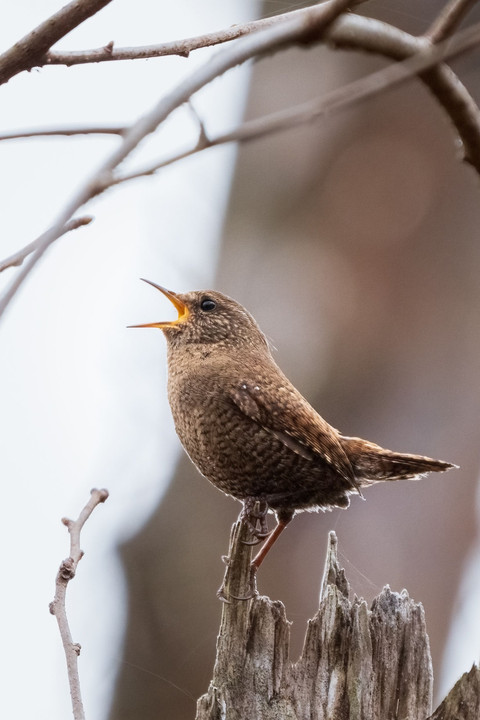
x=83 y=398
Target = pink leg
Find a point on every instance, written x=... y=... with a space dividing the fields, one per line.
x=283 y=521
x=267 y=545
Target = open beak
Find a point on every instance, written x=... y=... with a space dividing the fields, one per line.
x=182 y=309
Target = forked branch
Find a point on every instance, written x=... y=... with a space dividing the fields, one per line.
x=422 y=56
x=29 y=51
x=305 y=29
x=65 y=573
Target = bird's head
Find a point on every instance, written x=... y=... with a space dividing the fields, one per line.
x=208 y=317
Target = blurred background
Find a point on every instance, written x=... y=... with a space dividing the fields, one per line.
x=353 y=242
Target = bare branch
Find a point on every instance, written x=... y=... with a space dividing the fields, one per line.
x=29 y=51
x=353 y=32
x=303 y=30
x=41 y=244
x=64 y=131
x=177 y=47
x=203 y=139
x=65 y=573
x=18 y=257
x=448 y=19
x=450 y=92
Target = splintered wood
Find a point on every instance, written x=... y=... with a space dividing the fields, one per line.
x=357 y=663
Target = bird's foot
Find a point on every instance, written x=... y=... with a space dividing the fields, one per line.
x=257 y=540
x=254 y=514
x=221 y=595
x=251 y=593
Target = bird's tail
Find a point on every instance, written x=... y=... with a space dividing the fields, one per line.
x=372 y=463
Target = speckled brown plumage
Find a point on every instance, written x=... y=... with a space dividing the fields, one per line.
x=248 y=429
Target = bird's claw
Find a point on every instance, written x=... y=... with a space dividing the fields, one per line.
x=259 y=537
x=254 y=514
x=256 y=541
x=222 y=597
x=252 y=592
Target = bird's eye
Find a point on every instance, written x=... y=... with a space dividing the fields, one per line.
x=208 y=304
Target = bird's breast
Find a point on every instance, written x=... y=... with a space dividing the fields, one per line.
x=205 y=419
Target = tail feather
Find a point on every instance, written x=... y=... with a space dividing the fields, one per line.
x=372 y=463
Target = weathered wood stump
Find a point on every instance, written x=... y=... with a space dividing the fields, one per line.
x=357 y=663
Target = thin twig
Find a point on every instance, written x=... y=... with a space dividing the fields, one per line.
x=308 y=28
x=448 y=19
x=348 y=31
x=41 y=244
x=183 y=47
x=203 y=139
x=17 y=258
x=65 y=573
x=347 y=96
x=64 y=131
x=29 y=51
x=352 y=32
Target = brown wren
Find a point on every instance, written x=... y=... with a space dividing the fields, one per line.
x=251 y=432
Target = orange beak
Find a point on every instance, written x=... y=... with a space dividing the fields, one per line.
x=182 y=309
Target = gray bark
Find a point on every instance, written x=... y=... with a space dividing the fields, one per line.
x=357 y=663
x=463 y=701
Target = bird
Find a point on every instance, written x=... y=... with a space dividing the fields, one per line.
x=248 y=429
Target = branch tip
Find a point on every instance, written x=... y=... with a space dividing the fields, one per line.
x=100 y=495
x=58 y=607
x=85 y=220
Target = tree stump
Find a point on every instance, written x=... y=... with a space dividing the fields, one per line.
x=357 y=663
